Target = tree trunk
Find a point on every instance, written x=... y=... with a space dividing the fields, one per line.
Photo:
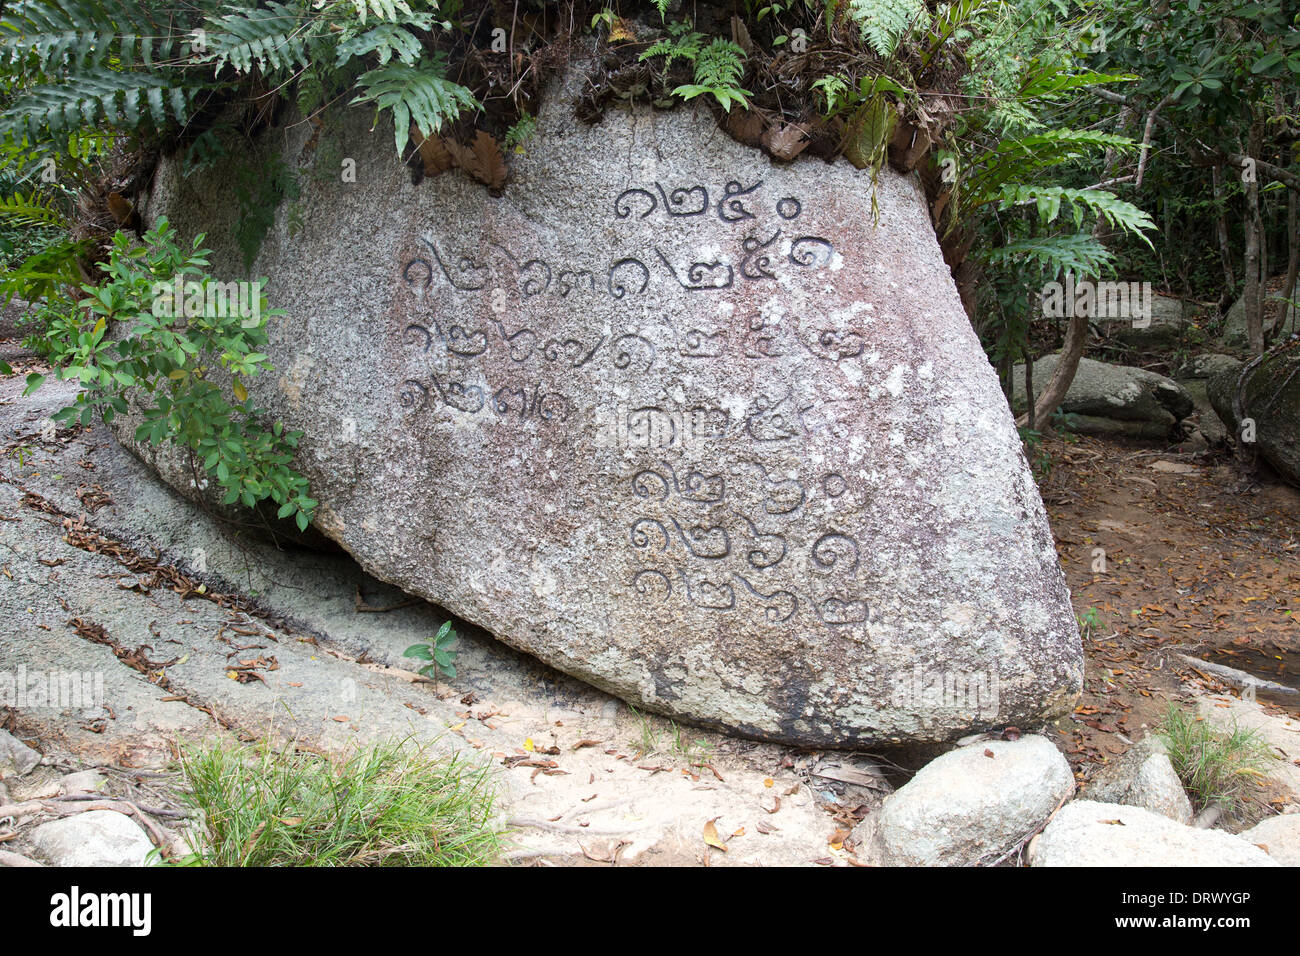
x=1290 y=319
x=1221 y=227
x=1254 y=226
x=1076 y=333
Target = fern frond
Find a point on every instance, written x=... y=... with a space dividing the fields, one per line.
x=31 y=210
x=1079 y=253
x=885 y=23
x=54 y=33
x=1050 y=201
x=382 y=9
x=273 y=37
x=718 y=69
x=721 y=64
x=419 y=94
x=683 y=44
x=93 y=96
x=1017 y=159
x=385 y=40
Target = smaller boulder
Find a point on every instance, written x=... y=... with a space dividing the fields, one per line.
x=1235 y=334
x=16 y=758
x=969 y=806
x=1207 y=365
x=1280 y=836
x=1087 y=833
x=1163 y=329
x=93 y=838
x=1112 y=399
x=84 y=781
x=1143 y=777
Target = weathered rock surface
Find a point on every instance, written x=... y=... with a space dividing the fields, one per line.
x=16 y=758
x=1087 y=833
x=1272 y=400
x=83 y=781
x=1162 y=329
x=969 y=806
x=1280 y=835
x=1235 y=334
x=1112 y=399
x=1143 y=777
x=673 y=419
x=93 y=838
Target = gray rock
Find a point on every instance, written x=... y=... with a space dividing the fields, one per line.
x=1280 y=836
x=1271 y=399
x=1207 y=419
x=748 y=467
x=1207 y=365
x=92 y=838
x=1142 y=400
x=1234 y=334
x=967 y=807
x=1163 y=328
x=1087 y=833
x=1143 y=777
x=16 y=758
x=84 y=781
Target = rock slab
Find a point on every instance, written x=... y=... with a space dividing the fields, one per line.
x=16 y=758
x=1280 y=836
x=1087 y=833
x=673 y=419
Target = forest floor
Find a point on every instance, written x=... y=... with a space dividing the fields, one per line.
x=1200 y=562
x=100 y=573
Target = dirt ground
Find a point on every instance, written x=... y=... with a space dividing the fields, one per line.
x=1171 y=554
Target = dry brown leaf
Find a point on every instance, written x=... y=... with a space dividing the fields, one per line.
x=482 y=159
x=786 y=141
x=711 y=836
x=433 y=153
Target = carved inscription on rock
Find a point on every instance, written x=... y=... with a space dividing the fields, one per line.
x=490 y=338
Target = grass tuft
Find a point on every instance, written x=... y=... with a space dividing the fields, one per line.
x=392 y=804
x=1216 y=766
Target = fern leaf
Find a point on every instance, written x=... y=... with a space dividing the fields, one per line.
x=1050 y=201
x=80 y=33
x=31 y=210
x=885 y=23
x=419 y=94
x=93 y=96
x=385 y=40
x=1079 y=253
x=270 y=38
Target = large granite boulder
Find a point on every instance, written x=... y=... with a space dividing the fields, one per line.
x=670 y=417
x=1271 y=399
